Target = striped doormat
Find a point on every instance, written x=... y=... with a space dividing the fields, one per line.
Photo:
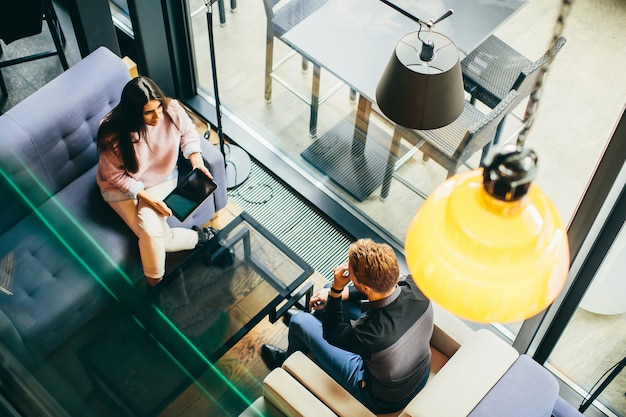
x=292 y=221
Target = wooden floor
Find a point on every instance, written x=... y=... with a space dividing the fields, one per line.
x=237 y=377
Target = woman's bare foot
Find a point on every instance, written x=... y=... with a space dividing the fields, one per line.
x=153 y=281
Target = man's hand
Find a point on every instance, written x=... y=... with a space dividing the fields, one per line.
x=341 y=276
x=197 y=162
x=318 y=300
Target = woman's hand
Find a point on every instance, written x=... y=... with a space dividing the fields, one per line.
x=158 y=205
x=198 y=162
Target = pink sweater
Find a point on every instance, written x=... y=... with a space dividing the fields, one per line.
x=157 y=155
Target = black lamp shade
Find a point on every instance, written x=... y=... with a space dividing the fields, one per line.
x=421 y=94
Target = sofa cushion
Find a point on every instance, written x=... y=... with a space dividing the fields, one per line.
x=94 y=230
x=261 y=407
x=291 y=398
x=53 y=292
x=564 y=409
x=323 y=386
x=527 y=389
x=48 y=140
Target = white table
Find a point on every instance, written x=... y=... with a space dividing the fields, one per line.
x=354 y=39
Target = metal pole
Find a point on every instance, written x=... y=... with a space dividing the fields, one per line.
x=618 y=368
x=218 y=107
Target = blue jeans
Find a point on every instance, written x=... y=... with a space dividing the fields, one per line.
x=347 y=368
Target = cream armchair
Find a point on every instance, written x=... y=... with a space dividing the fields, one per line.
x=473 y=373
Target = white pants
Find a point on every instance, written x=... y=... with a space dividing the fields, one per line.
x=155 y=235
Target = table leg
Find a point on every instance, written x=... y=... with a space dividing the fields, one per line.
x=391 y=162
x=292 y=300
x=222 y=12
x=244 y=235
x=315 y=99
x=361 y=125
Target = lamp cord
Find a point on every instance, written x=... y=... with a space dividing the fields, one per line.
x=533 y=104
x=593 y=392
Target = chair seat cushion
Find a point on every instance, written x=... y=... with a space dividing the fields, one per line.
x=491 y=69
x=291 y=398
x=293 y=12
x=323 y=386
x=527 y=389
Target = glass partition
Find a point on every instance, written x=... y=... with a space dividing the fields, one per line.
x=591 y=353
x=575 y=118
x=570 y=130
x=146 y=353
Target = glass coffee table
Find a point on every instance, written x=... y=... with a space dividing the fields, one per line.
x=223 y=290
x=150 y=352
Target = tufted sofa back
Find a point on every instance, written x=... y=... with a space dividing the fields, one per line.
x=67 y=115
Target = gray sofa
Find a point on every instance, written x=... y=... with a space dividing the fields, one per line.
x=64 y=249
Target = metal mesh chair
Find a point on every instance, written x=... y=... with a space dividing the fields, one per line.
x=281 y=17
x=452 y=145
x=494 y=68
x=50 y=16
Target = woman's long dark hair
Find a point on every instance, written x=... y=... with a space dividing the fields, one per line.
x=114 y=134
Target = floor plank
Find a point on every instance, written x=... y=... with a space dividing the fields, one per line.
x=242 y=366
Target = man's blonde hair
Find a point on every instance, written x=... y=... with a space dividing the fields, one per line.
x=374 y=264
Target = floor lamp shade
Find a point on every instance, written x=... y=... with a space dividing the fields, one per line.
x=422 y=92
x=486 y=259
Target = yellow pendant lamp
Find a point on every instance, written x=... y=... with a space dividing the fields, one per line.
x=488 y=245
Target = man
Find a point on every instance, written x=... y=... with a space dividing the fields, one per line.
x=382 y=357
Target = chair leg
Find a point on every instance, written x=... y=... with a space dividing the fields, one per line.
x=233 y=6
x=315 y=98
x=495 y=141
x=57 y=24
x=54 y=28
x=221 y=12
x=269 y=59
x=3 y=86
x=391 y=163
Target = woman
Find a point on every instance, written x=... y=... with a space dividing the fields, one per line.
x=139 y=143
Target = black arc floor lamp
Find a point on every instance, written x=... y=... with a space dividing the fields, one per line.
x=237 y=161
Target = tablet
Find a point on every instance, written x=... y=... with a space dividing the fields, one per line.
x=191 y=191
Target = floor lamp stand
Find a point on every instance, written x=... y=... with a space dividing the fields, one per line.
x=616 y=370
x=237 y=161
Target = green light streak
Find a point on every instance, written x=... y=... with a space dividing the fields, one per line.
x=49 y=225
x=51 y=228
x=68 y=216
x=222 y=377
x=180 y=366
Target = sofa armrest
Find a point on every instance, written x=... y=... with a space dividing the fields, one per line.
x=526 y=389
x=261 y=408
x=449 y=333
x=465 y=379
x=323 y=386
x=291 y=398
x=11 y=339
x=564 y=409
